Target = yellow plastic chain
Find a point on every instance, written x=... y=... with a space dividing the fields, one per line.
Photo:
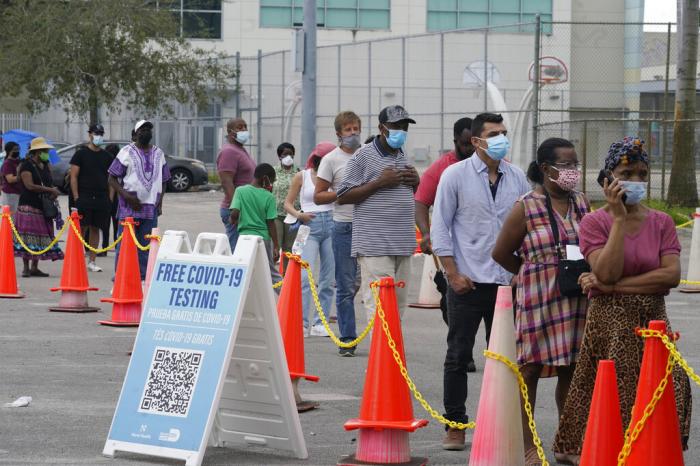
x=677 y=356
x=528 y=408
x=631 y=436
x=334 y=338
x=277 y=285
x=26 y=248
x=130 y=226
x=683 y=225
x=689 y=282
x=87 y=245
x=404 y=372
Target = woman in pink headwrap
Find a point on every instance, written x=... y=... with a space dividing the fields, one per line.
x=320 y=219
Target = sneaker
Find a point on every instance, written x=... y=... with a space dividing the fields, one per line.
x=347 y=352
x=92 y=267
x=318 y=330
x=454 y=440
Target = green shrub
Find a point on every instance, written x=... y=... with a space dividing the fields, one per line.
x=680 y=215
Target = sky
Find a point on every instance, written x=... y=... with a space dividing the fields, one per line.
x=660 y=11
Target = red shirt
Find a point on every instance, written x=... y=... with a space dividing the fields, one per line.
x=430 y=179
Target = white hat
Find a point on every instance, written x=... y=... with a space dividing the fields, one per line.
x=140 y=123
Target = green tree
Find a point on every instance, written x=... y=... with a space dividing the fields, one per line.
x=84 y=55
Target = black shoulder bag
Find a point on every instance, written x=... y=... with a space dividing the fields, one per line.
x=48 y=205
x=568 y=270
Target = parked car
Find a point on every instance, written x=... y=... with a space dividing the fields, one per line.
x=185 y=172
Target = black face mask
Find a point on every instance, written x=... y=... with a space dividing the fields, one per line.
x=144 y=137
x=14 y=155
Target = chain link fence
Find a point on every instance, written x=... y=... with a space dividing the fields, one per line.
x=596 y=83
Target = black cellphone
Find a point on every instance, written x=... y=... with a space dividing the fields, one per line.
x=606 y=174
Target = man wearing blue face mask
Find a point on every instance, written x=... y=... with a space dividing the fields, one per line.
x=473 y=199
x=380 y=183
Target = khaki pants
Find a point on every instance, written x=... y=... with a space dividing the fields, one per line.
x=374 y=268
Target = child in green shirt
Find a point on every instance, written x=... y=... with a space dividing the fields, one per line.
x=254 y=210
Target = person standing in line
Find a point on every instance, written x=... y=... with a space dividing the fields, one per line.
x=113 y=224
x=285 y=172
x=139 y=175
x=548 y=325
x=473 y=199
x=425 y=198
x=32 y=223
x=330 y=173
x=380 y=183
x=254 y=210
x=11 y=184
x=235 y=168
x=319 y=218
x=90 y=188
x=634 y=254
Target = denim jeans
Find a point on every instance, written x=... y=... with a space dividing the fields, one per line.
x=345 y=273
x=320 y=242
x=143 y=228
x=465 y=312
x=231 y=230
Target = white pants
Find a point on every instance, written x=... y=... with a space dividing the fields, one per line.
x=374 y=268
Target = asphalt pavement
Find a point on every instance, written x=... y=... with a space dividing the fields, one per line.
x=73 y=369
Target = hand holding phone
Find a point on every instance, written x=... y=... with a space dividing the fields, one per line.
x=614 y=194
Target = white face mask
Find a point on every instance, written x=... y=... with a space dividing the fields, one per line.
x=287 y=161
x=242 y=136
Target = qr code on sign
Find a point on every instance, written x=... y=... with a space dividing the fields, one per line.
x=171 y=381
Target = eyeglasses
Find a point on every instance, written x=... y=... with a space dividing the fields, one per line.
x=568 y=165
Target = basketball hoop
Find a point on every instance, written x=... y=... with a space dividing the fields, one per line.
x=552 y=71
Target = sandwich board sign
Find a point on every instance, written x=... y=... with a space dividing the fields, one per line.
x=208 y=365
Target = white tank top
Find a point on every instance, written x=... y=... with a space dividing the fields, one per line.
x=307 y=195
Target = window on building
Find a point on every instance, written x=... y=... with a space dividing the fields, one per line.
x=465 y=14
x=330 y=14
x=197 y=19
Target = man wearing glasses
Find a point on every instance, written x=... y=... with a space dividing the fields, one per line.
x=90 y=188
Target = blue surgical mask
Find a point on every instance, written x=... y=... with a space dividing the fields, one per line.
x=242 y=136
x=635 y=191
x=498 y=146
x=97 y=139
x=396 y=138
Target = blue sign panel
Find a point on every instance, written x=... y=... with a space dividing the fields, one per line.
x=179 y=354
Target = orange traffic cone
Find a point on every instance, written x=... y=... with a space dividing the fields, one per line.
x=604 y=437
x=8 y=273
x=419 y=238
x=289 y=311
x=660 y=439
x=127 y=293
x=74 y=278
x=281 y=264
x=498 y=437
x=152 y=256
x=386 y=413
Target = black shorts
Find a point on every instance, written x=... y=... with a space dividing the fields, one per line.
x=94 y=210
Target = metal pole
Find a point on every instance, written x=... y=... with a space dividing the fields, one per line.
x=584 y=147
x=369 y=84
x=536 y=87
x=486 y=70
x=442 y=92
x=340 y=49
x=664 y=123
x=403 y=71
x=284 y=88
x=238 y=85
x=308 y=85
x=259 y=124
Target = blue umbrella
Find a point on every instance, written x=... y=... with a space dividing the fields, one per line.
x=24 y=139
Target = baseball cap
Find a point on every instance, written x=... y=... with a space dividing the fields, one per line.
x=141 y=123
x=394 y=114
x=96 y=129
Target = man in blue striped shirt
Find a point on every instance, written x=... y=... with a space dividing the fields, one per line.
x=473 y=199
x=380 y=183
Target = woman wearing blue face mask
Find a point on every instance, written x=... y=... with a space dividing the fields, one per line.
x=634 y=253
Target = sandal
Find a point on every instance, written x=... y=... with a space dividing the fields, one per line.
x=565 y=458
x=38 y=273
x=532 y=458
